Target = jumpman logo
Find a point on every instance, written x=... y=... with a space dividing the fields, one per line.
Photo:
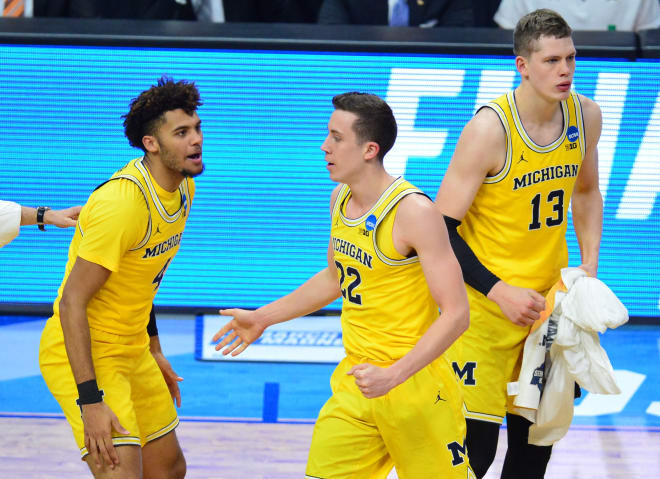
x=438 y=398
x=522 y=158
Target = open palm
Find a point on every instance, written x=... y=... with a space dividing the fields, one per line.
x=239 y=333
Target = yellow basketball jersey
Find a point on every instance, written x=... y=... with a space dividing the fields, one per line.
x=517 y=223
x=133 y=227
x=387 y=305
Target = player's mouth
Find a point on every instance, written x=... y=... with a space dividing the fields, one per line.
x=195 y=157
x=564 y=86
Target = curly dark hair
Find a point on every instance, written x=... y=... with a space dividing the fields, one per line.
x=375 y=120
x=147 y=111
x=534 y=25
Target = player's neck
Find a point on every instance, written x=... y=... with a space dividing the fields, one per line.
x=167 y=178
x=366 y=190
x=533 y=108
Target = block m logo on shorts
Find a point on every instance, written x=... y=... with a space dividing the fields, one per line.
x=458 y=452
x=466 y=373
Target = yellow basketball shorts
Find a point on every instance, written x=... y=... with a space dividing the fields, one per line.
x=418 y=427
x=132 y=383
x=486 y=357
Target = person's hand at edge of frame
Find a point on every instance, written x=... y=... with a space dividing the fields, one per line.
x=65 y=218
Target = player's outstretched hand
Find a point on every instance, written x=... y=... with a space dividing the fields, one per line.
x=98 y=423
x=373 y=381
x=62 y=218
x=522 y=306
x=241 y=331
x=172 y=379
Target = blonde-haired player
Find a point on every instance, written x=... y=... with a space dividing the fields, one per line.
x=516 y=166
x=395 y=399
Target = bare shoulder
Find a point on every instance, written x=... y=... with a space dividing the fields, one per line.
x=590 y=108
x=486 y=126
x=482 y=144
x=417 y=212
x=593 y=117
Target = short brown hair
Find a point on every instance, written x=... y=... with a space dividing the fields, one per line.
x=534 y=25
x=147 y=111
x=375 y=120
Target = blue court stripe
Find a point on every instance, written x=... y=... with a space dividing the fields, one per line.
x=249 y=420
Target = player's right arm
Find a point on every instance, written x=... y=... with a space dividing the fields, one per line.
x=113 y=221
x=481 y=152
x=246 y=326
x=84 y=280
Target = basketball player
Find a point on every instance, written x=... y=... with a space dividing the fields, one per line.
x=395 y=400
x=13 y=216
x=95 y=354
x=517 y=164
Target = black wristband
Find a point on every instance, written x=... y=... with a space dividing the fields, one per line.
x=40 y=216
x=89 y=393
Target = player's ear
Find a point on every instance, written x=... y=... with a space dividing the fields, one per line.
x=150 y=143
x=371 y=150
x=521 y=66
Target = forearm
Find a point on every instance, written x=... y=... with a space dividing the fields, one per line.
x=77 y=340
x=28 y=216
x=317 y=292
x=434 y=342
x=154 y=345
x=587 y=210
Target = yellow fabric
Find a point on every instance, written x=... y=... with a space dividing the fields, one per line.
x=132 y=227
x=414 y=427
x=517 y=222
x=128 y=375
x=486 y=357
x=387 y=305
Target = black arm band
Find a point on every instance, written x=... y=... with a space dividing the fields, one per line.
x=89 y=393
x=474 y=272
x=152 y=329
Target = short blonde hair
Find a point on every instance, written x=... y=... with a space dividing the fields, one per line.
x=534 y=25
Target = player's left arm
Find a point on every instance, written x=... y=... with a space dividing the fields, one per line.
x=172 y=379
x=420 y=226
x=587 y=202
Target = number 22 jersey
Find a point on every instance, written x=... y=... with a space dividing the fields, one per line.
x=387 y=305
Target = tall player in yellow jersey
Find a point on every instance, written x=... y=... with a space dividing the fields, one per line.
x=109 y=376
x=395 y=400
x=517 y=165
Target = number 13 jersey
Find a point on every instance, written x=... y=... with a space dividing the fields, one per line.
x=517 y=222
x=387 y=305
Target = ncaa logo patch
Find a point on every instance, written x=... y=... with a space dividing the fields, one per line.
x=573 y=134
x=370 y=223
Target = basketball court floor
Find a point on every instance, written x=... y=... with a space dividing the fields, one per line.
x=255 y=419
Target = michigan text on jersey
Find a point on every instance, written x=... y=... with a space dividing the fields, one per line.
x=355 y=252
x=163 y=247
x=545 y=174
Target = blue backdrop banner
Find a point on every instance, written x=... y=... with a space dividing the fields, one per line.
x=260 y=221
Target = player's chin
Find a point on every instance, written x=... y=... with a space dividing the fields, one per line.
x=191 y=172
